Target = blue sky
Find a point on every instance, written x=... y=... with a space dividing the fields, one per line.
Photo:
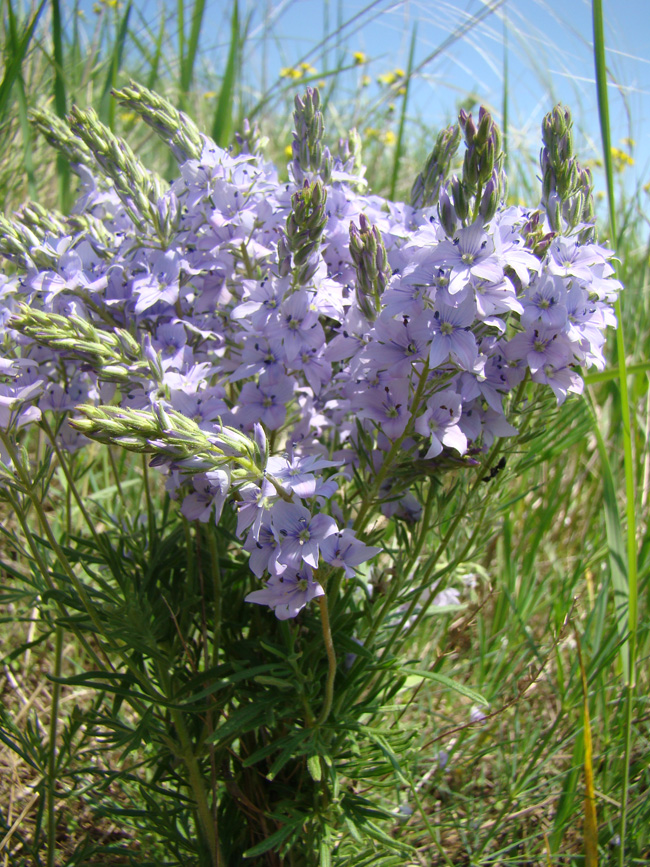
x=549 y=57
x=549 y=53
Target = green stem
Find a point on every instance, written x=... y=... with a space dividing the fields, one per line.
x=331 y=659
x=72 y=488
x=397 y=584
x=45 y=573
x=151 y=515
x=632 y=573
x=116 y=476
x=216 y=592
x=460 y=514
x=51 y=764
x=196 y=781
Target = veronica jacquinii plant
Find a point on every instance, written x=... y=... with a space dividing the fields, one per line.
x=308 y=358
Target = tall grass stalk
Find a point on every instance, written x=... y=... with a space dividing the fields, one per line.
x=399 y=145
x=632 y=573
x=60 y=101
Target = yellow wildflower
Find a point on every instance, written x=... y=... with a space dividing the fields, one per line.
x=290 y=72
x=371 y=132
x=387 y=78
x=389 y=137
x=209 y=94
x=621 y=159
x=365 y=80
x=359 y=58
x=390 y=78
x=288 y=151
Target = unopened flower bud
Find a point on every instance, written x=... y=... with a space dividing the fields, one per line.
x=371 y=264
x=461 y=205
x=467 y=125
x=484 y=128
x=487 y=162
x=490 y=199
x=284 y=256
x=430 y=181
x=447 y=214
x=470 y=169
x=305 y=226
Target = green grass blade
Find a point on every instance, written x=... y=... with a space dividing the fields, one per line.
x=107 y=105
x=180 y=24
x=25 y=128
x=504 y=118
x=16 y=51
x=603 y=112
x=187 y=67
x=617 y=557
x=615 y=373
x=62 y=166
x=223 y=117
x=154 y=65
x=399 y=145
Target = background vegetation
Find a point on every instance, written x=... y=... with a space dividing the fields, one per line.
x=552 y=625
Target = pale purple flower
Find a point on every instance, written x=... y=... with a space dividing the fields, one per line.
x=562 y=380
x=439 y=423
x=288 y=593
x=545 y=303
x=264 y=549
x=451 y=335
x=160 y=282
x=569 y=258
x=470 y=255
x=15 y=408
x=210 y=492
x=299 y=533
x=264 y=401
x=298 y=474
x=345 y=551
x=387 y=407
x=397 y=344
x=301 y=328
x=540 y=346
x=477 y=715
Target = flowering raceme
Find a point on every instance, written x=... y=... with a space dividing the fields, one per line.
x=269 y=342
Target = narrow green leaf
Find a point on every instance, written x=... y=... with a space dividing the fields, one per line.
x=16 y=50
x=187 y=67
x=242 y=720
x=57 y=42
x=399 y=145
x=446 y=682
x=60 y=102
x=223 y=117
x=615 y=373
x=275 y=839
x=107 y=105
x=618 y=566
x=626 y=419
x=27 y=137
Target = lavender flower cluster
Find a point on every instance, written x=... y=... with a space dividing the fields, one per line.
x=270 y=340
